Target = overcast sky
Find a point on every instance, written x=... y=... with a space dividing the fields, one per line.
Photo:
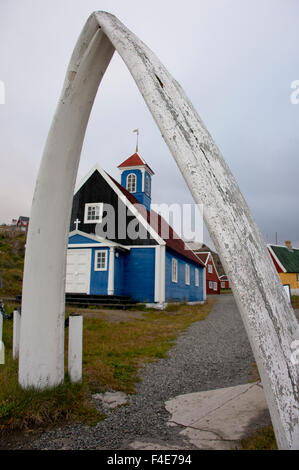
x=236 y=60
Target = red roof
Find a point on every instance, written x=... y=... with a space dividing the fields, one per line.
x=203 y=256
x=156 y=221
x=134 y=160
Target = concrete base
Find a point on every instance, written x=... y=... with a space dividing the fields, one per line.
x=157 y=305
x=218 y=419
x=163 y=305
x=214 y=420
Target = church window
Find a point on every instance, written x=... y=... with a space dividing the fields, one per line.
x=131 y=183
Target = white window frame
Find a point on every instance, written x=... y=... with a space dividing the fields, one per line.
x=215 y=286
x=135 y=182
x=147 y=185
x=210 y=284
x=187 y=274
x=174 y=270
x=93 y=204
x=96 y=260
x=210 y=269
x=222 y=284
x=196 y=277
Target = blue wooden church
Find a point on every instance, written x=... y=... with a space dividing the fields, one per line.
x=119 y=246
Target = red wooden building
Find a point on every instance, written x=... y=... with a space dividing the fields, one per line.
x=224 y=282
x=212 y=278
x=22 y=223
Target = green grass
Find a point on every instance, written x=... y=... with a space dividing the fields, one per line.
x=263 y=439
x=226 y=291
x=113 y=354
x=12 y=249
x=28 y=409
x=295 y=301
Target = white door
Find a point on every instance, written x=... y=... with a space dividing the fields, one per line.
x=78 y=271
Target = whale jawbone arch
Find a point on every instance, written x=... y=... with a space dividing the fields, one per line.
x=268 y=318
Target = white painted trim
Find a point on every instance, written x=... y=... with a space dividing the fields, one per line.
x=123 y=198
x=275 y=257
x=84 y=245
x=110 y=288
x=95 y=268
x=100 y=240
x=162 y=272
x=144 y=246
x=160 y=257
x=136 y=167
x=157 y=273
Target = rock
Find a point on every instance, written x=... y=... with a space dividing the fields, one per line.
x=111 y=400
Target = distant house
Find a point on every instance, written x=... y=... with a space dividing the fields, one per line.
x=119 y=246
x=224 y=282
x=212 y=277
x=22 y=223
x=286 y=262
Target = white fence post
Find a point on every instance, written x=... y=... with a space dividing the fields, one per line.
x=2 y=349
x=75 y=348
x=1 y=326
x=16 y=334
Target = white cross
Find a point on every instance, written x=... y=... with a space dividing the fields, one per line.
x=77 y=222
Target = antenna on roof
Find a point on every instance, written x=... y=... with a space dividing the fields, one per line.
x=137 y=132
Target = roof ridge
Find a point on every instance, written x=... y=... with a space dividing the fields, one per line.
x=135 y=160
x=172 y=243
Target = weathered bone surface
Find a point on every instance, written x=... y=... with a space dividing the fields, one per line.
x=268 y=318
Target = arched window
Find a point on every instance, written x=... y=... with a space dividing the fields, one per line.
x=131 y=183
x=147 y=185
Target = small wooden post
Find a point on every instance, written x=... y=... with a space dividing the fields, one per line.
x=2 y=350
x=16 y=334
x=1 y=326
x=75 y=348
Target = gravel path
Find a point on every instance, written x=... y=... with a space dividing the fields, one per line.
x=212 y=353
